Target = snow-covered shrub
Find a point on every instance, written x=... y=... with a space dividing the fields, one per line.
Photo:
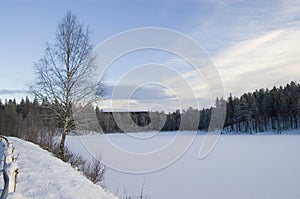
x=94 y=170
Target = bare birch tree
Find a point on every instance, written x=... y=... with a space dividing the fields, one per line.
x=64 y=73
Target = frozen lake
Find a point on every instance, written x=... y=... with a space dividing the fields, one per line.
x=240 y=166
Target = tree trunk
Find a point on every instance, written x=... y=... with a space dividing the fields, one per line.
x=296 y=121
x=63 y=139
x=62 y=145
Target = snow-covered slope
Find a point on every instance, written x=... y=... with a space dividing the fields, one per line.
x=43 y=176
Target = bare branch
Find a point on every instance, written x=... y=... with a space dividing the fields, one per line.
x=65 y=73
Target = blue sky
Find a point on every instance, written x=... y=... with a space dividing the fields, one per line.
x=254 y=44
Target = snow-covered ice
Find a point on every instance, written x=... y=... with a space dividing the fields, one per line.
x=43 y=176
x=261 y=166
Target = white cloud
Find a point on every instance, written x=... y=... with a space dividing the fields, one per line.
x=253 y=44
x=270 y=59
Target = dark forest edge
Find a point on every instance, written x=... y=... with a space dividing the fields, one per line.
x=276 y=110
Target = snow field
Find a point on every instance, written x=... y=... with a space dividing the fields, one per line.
x=261 y=166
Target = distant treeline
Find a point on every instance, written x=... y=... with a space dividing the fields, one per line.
x=264 y=110
x=276 y=110
x=28 y=120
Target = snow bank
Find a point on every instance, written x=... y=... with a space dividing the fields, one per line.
x=43 y=176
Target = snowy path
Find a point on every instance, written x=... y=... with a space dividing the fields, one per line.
x=43 y=176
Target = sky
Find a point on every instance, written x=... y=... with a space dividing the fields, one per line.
x=252 y=44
